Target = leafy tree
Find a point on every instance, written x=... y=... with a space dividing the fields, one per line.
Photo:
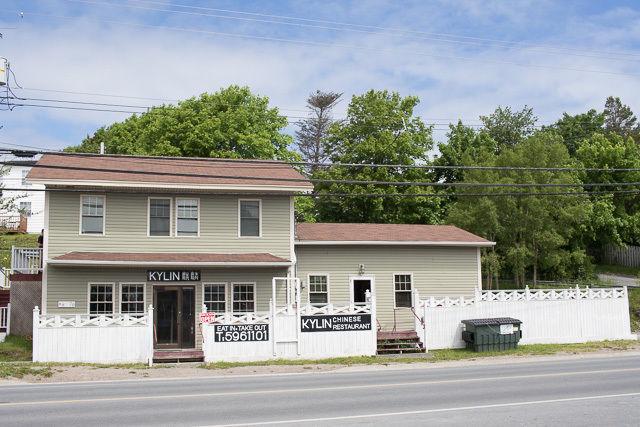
x=575 y=129
x=509 y=128
x=230 y=123
x=311 y=136
x=619 y=119
x=380 y=128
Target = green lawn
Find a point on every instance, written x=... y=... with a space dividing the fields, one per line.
x=618 y=269
x=15 y=349
x=7 y=240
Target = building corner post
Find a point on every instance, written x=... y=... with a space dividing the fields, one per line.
x=150 y=332
x=36 y=326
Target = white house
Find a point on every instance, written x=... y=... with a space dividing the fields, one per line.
x=28 y=203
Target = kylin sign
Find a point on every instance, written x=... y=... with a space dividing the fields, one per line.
x=173 y=275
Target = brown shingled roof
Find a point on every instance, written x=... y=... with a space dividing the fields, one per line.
x=417 y=233
x=169 y=258
x=167 y=170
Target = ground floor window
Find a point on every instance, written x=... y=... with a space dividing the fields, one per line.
x=215 y=297
x=244 y=297
x=101 y=298
x=402 y=286
x=318 y=289
x=132 y=298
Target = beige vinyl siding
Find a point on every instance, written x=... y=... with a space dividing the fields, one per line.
x=126 y=219
x=71 y=284
x=436 y=271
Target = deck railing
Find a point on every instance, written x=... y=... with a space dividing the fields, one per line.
x=26 y=260
x=5 y=319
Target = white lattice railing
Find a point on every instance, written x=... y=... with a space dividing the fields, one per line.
x=85 y=320
x=310 y=310
x=526 y=294
x=241 y=319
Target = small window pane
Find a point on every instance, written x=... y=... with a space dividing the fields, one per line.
x=92 y=214
x=187 y=211
x=243 y=298
x=249 y=218
x=132 y=299
x=101 y=299
x=318 y=290
x=215 y=298
x=160 y=217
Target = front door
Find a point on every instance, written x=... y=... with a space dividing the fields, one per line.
x=174 y=316
x=360 y=288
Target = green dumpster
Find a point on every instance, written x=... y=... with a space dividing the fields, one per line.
x=495 y=334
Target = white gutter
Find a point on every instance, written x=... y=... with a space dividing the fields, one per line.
x=71 y=262
x=393 y=243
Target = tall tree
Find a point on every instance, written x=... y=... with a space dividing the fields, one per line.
x=619 y=119
x=509 y=128
x=230 y=123
x=578 y=128
x=311 y=136
x=380 y=128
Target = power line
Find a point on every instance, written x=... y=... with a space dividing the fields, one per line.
x=340 y=45
x=344 y=26
x=338 y=181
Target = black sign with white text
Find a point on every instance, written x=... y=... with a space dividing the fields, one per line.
x=336 y=323
x=241 y=333
x=173 y=275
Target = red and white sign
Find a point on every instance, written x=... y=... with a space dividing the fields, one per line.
x=207 y=317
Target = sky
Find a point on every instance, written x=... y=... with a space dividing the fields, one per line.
x=461 y=58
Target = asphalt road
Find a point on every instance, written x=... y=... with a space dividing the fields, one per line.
x=588 y=391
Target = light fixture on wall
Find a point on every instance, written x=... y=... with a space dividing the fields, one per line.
x=361 y=269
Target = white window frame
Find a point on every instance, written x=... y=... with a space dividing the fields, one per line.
x=352 y=277
x=309 y=288
x=226 y=294
x=113 y=296
x=144 y=297
x=104 y=215
x=23 y=181
x=255 y=297
x=24 y=202
x=170 y=215
x=259 y=219
x=197 y=199
x=393 y=287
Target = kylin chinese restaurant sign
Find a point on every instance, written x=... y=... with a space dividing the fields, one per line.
x=173 y=275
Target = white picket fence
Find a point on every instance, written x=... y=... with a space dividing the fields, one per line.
x=93 y=339
x=285 y=339
x=548 y=315
x=5 y=321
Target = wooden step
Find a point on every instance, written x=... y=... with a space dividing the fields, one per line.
x=394 y=335
x=181 y=355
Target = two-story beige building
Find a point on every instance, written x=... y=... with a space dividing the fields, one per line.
x=126 y=232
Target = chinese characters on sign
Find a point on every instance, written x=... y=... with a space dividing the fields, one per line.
x=173 y=275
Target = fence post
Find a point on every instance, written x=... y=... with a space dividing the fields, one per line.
x=36 y=326
x=8 y=318
x=424 y=327
x=374 y=323
x=477 y=296
x=151 y=334
x=272 y=321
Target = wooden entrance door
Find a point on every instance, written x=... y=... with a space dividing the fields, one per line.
x=174 y=316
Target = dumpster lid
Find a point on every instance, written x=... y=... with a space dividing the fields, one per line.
x=492 y=321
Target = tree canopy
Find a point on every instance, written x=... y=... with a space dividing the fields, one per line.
x=230 y=123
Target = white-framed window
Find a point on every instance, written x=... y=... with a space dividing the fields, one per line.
x=249 y=217
x=402 y=285
x=244 y=297
x=25 y=208
x=215 y=297
x=187 y=217
x=92 y=217
x=25 y=172
x=318 y=289
x=100 y=299
x=132 y=298
x=159 y=216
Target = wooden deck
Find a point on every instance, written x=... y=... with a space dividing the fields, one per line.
x=178 y=355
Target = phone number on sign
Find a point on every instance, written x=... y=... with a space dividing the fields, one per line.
x=241 y=333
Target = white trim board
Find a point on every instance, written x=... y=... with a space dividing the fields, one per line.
x=165 y=263
x=391 y=243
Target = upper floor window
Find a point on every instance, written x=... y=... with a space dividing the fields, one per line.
x=318 y=289
x=187 y=217
x=25 y=172
x=249 y=218
x=159 y=216
x=92 y=213
x=25 y=208
x=402 y=286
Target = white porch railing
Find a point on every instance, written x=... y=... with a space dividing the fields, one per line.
x=26 y=260
x=5 y=319
x=118 y=338
x=4 y=278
